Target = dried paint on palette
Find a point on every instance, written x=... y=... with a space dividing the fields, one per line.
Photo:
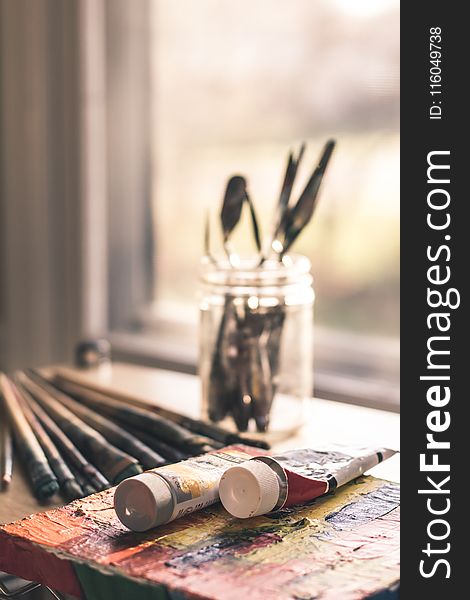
x=344 y=545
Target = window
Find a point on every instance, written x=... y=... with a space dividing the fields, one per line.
x=231 y=87
x=122 y=121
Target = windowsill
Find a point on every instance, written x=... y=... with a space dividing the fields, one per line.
x=348 y=369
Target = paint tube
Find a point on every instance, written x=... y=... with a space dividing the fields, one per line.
x=269 y=483
x=173 y=491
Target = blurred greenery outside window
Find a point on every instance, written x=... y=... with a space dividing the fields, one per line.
x=236 y=85
x=199 y=91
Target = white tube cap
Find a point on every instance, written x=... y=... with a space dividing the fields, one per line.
x=143 y=501
x=249 y=490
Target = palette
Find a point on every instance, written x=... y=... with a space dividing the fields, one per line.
x=344 y=545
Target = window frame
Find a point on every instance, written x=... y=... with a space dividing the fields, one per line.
x=348 y=367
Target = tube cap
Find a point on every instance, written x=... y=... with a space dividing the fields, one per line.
x=249 y=490
x=143 y=502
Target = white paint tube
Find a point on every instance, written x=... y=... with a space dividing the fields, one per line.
x=161 y=495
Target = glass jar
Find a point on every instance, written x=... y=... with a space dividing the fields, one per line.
x=256 y=344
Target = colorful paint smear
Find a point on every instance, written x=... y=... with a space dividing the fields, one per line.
x=343 y=546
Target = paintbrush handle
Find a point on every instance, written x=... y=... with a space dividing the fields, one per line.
x=296 y=219
x=43 y=480
x=284 y=197
x=145 y=419
x=76 y=387
x=170 y=453
x=115 y=464
x=218 y=395
x=85 y=485
x=6 y=452
x=112 y=432
x=65 y=477
x=73 y=456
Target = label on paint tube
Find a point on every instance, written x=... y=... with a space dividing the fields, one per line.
x=269 y=483
x=194 y=483
x=331 y=467
x=167 y=493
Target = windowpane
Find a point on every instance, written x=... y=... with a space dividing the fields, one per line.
x=235 y=86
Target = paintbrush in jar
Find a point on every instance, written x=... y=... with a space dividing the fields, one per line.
x=69 y=487
x=265 y=341
x=234 y=198
x=292 y=222
x=226 y=387
x=89 y=393
x=284 y=197
x=115 y=464
x=72 y=454
x=224 y=392
x=207 y=240
x=254 y=223
x=43 y=480
x=222 y=380
x=118 y=436
x=295 y=219
x=220 y=397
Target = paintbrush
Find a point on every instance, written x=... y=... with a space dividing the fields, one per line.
x=86 y=486
x=221 y=397
x=170 y=453
x=68 y=484
x=245 y=360
x=115 y=464
x=285 y=194
x=296 y=218
x=43 y=480
x=112 y=432
x=254 y=222
x=207 y=240
x=72 y=455
x=86 y=391
x=228 y=389
x=234 y=197
x=263 y=362
x=223 y=379
x=6 y=450
x=261 y=382
x=145 y=419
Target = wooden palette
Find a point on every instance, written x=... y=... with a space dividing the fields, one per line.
x=342 y=546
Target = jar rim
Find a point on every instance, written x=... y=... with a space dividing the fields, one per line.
x=292 y=269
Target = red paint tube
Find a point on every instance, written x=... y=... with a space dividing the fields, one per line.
x=269 y=483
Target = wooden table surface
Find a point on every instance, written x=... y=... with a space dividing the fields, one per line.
x=326 y=421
